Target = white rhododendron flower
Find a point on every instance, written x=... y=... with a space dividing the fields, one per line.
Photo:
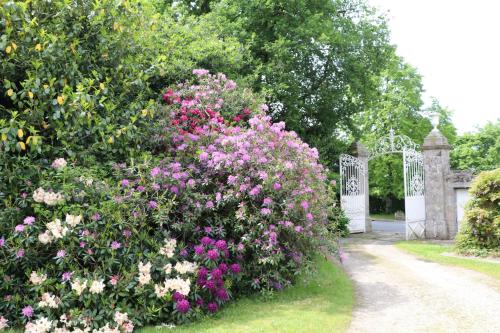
x=36 y=278
x=56 y=229
x=59 y=163
x=181 y=286
x=4 y=323
x=167 y=268
x=45 y=238
x=79 y=286
x=120 y=317
x=39 y=195
x=49 y=300
x=97 y=286
x=41 y=325
x=169 y=248
x=73 y=220
x=144 y=273
x=52 y=198
x=185 y=267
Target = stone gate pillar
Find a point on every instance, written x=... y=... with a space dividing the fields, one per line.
x=438 y=197
x=363 y=154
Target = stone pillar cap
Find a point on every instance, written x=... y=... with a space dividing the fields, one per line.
x=435 y=140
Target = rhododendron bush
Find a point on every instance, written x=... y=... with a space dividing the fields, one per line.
x=228 y=203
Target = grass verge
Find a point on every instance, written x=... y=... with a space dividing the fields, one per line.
x=319 y=303
x=436 y=253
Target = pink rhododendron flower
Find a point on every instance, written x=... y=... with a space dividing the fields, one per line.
x=19 y=228
x=115 y=245
x=29 y=220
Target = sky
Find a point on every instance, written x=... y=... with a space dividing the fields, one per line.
x=455 y=45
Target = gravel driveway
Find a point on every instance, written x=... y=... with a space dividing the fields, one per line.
x=396 y=292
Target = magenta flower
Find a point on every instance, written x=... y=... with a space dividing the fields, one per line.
x=2 y=242
x=96 y=217
x=19 y=228
x=60 y=254
x=183 y=306
x=212 y=254
x=191 y=183
x=177 y=296
x=265 y=211
x=67 y=276
x=29 y=220
x=152 y=204
x=208 y=229
x=267 y=201
x=212 y=307
x=125 y=182
x=20 y=253
x=298 y=228
x=82 y=244
x=223 y=268
x=114 y=280
x=221 y=245
x=199 y=250
x=206 y=241
x=155 y=171
x=216 y=274
x=27 y=311
x=305 y=205
x=116 y=245
x=309 y=217
x=235 y=268
x=209 y=204
x=222 y=294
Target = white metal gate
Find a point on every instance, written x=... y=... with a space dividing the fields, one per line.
x=413 y=162
x=352 y=191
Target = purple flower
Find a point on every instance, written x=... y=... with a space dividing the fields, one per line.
x=222 y=294
x=265 y=211
x=127 y=233
x=155 y=171
x=116 y=245
x=200 y=302
x=19 y=228
x=82 y=244
x=2 y=242
x=203 y=156
x=67 y=276
x=267 y=201
x=223 y=268
x=191 y=182
x=206 y=241
x=216 y=273
x=212 y=307
x=210 y=285
x=309 y=217
x=27 y=311
x=277 y=186
x=209 y=204
x=202 y=272
x=155 y=187
x=29 y=220
x=125 y=182
x=20 y=253
x=212 y=254
x=177 y=296
x=208 y=230
x=152 y=204
x=184 y=253
x=199 y=250
x=298 y=228
x=235 y=268
x=221 y=244
x=96 y=217
x=182 y=306
x=60 y=254
x=305 y=205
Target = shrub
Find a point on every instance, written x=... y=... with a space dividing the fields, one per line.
x=234 y=203
x=480 y=230
x=81 y=78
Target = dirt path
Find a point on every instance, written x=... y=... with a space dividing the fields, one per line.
x=396 y=292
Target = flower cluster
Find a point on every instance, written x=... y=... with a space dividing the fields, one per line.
x=48 y=197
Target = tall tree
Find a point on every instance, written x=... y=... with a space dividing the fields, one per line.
x=315 y=61
x=479 y=150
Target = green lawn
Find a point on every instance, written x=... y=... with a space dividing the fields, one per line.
x=435 y=252
x=321 y=303
x=385 y=217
